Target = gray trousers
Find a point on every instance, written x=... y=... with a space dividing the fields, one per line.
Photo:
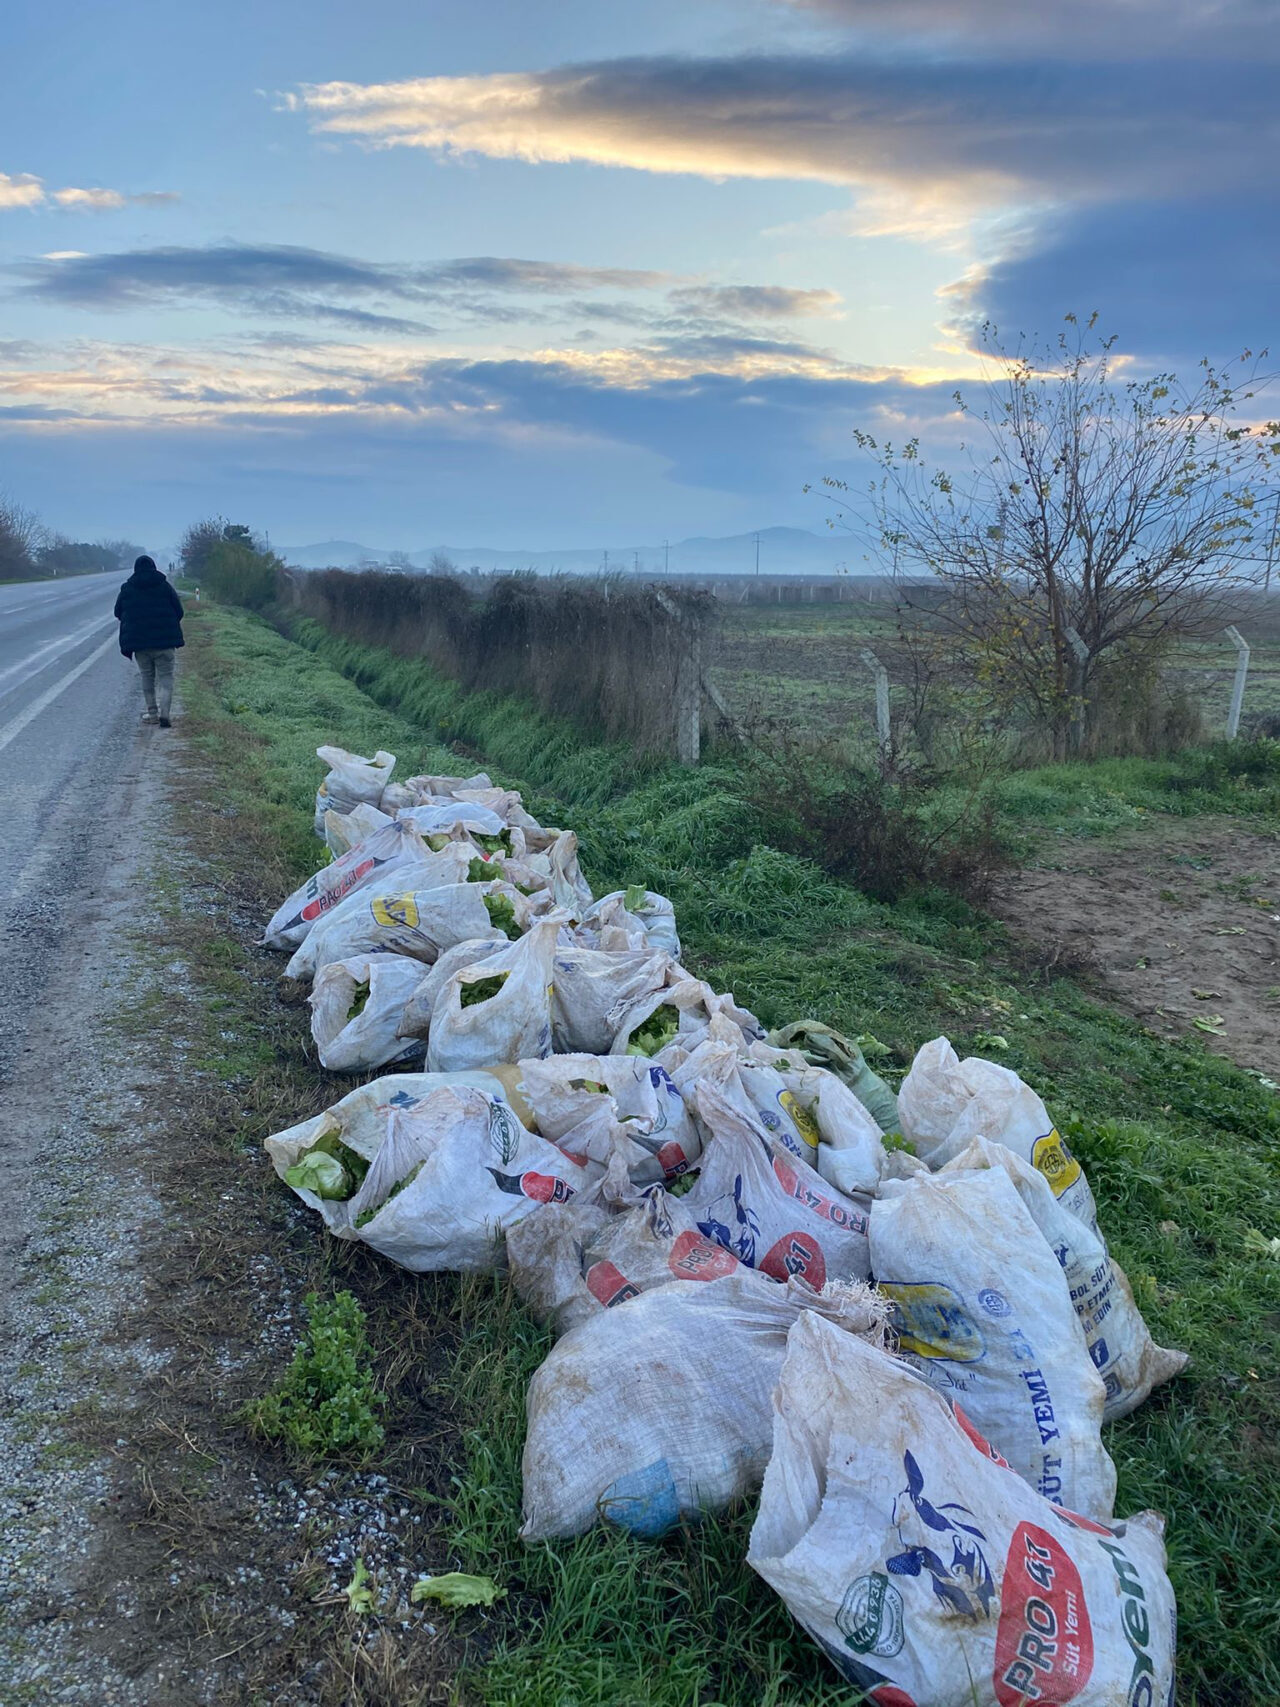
x=157 y=679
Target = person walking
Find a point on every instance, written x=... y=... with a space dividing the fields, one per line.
x=150 y=616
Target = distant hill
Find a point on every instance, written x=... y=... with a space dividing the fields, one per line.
x=783 y=551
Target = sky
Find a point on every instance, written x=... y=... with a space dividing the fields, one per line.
x=577 y=275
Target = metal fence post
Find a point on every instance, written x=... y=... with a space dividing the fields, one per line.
x=1237 y=687
x=883 y=731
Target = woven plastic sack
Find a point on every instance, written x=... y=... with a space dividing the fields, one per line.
x=1118 y=1340
x=415 y=1021
x=457 y=1172
x=450 y=1171
x=815 y=1114
x=420 y=923
x=435 y=816
x=660 y=1410
x=359 y=1121
x=983 y=1312
x=929 y=1573
x=944 y=1103
x=593 y=990
x=570 y=1264
x=344 y=830
x=356 y=1009
x=632 y=919
x=679 y=1013
x=392 y=848
x=598 y=1105
x=773 y=1211
x=350 y=781
x=498 y=1009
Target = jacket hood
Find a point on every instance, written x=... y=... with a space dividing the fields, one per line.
x=148 y=575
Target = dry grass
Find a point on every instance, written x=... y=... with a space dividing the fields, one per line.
x=608 y=656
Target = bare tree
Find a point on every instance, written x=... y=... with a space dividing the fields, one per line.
x=441 y=564
x=1124 y=513
x=21 y=537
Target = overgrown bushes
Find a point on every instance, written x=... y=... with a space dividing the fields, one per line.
x=614 y=659
x=890 y=835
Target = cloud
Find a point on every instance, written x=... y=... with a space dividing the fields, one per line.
x=1088 y=29
x=25 y=190
x=20 y=191
x=289 y=282
x=497 y=273
x=755 y=302
x=97 y=200
x=953 y=136
x=1180 y=279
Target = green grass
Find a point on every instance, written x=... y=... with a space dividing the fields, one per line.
x=1181 y=1147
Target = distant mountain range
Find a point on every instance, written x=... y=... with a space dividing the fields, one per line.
x=782 y=551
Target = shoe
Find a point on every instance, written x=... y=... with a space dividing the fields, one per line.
x=165 y=723
x=151 y=717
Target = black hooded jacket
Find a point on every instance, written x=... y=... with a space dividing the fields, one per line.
x=149 y=613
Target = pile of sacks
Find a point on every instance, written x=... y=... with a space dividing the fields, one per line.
x=907 y=1346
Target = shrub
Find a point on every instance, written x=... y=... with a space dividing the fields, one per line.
x=326 y=1405
x=237 y=572
x=611 y=657
x=890 y=835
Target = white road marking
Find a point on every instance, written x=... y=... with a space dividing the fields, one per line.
x=11 y=731
x=30 y=665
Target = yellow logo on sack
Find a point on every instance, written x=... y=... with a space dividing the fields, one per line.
x=801 y=1118
x=393 y=910
x=931 y=1321
x=1055 y=1162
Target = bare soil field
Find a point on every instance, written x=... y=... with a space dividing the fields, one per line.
x=1180 y=922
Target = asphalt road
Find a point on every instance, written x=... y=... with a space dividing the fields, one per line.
x=71 y=752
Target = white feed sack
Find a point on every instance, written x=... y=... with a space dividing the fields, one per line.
x=498 y=1009
x=415 y=1021
x=357 y=1122
x=593 y=990
x=983 y=1312
x=680 y=1014
x=1119 y=1342
x=944 y=1103
x=420 y=923
x=632 y=918
x=356 y=1009
x=660 y=1409
x=390 y=849
x=351 y=781
x=345 y=830
x=577 y=1259
x=839 y=1138
x=451 y=1167
x=929 y=1573
x=769 y=1208
x=601 y=1105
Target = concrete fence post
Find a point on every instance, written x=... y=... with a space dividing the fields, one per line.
x=1080 y=654
x=884 y=733
x=688 y=695
x=1237 y=687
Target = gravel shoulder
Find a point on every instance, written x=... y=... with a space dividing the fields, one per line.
x=151 y=1552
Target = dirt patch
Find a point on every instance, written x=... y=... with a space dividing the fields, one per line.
x=1179 y=921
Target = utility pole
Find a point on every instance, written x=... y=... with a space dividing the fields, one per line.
x=1271 y=548
x=637 y=562
x=606 y=562
x=757 y=554
x=666 y=558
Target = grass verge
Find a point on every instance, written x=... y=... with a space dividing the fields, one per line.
x=1181 y=1148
